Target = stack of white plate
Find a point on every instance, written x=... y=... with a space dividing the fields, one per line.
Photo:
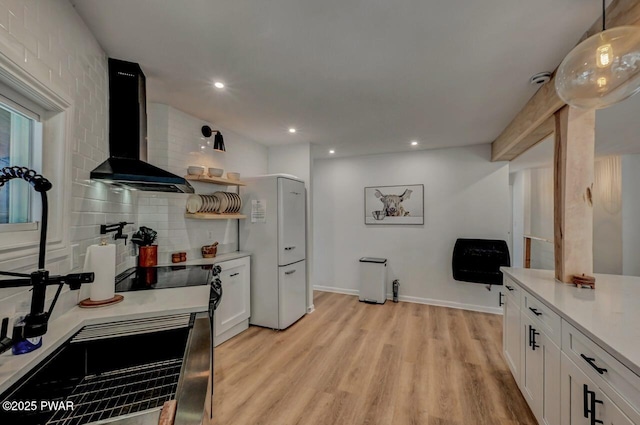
x=219 y=203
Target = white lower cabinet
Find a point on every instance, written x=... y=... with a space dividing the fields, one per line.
x=540 y=374
x=232 y=315
x=577 y=384
x=583 y=402
x=512 y=335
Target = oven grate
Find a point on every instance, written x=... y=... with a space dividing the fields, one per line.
x=121 y=392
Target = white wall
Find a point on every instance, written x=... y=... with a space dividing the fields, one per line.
x=466 y=196
x=292 y=159
x=51 y=42
x=174 y=144
x=631 y=214
x=297 y=160
x=175 y=139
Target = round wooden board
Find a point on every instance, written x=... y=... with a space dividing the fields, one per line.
x=88 y=303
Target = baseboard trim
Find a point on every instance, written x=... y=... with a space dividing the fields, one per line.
x=230 y=333
x=336 y=290
x=450 y=304
x=418 y=300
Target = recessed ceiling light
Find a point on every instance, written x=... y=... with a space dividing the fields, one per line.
x=218 y=85
x=292 y=130
x=332 y=151
x=414 y=143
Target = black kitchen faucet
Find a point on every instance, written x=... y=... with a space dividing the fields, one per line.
x=36 y=321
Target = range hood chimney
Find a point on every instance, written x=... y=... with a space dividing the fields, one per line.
x=127 y=164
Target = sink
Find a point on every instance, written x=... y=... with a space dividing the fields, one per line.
x=127 y=378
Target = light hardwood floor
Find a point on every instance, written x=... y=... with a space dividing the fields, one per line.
x=351 y=363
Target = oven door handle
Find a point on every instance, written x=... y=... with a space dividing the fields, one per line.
x=216 y=293
x=195 y=376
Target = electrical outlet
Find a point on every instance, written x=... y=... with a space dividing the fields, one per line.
x=211 y=234
x=75 y=256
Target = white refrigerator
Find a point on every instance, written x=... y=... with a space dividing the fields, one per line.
x=274 y=232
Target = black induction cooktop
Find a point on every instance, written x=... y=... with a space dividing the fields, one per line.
x=144 y=278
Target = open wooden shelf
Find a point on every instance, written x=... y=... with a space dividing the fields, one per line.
x=214 y=180
x=215 y=216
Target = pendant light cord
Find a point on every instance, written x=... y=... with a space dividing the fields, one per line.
x=604 y=11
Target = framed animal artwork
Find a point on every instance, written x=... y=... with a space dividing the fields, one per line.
x=394 y=204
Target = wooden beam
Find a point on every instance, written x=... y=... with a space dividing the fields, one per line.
x=573 y=184
x=524 y=130
x=521 y=143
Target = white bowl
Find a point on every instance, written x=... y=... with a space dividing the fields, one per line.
x=233 y=176
x=216 y=172
x=195 y=170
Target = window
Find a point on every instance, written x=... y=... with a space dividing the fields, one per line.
x=16 y=148
x=34 y=119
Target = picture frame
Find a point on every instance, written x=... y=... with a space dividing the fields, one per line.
x=395 y=205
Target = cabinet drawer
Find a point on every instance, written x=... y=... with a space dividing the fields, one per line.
x=621 y=384
x=584 y=402
x=548 y=320
x=512 y=289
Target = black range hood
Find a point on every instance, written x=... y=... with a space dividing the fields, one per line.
x=128 y=136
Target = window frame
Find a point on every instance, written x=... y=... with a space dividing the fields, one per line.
x=19 y=245
x=17 y=103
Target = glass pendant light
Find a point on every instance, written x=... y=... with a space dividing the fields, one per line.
x=602 y=70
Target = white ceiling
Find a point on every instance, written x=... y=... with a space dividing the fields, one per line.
x=358 y=76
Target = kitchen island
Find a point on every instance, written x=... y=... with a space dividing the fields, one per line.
x=574 y=352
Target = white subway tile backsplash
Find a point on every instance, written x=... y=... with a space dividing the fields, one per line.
x=174 y=144
x=159 y=201
x=49 y=40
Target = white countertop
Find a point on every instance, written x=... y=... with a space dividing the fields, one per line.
x=609 y=314
x=205 y=261
x=136 y=305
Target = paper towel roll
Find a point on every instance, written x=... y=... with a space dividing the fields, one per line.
x=101 y=260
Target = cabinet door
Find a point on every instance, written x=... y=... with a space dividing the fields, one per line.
x=291 y=221
x=540 y=373
x=511 y=335
x=235 y=304
x=531 y=374
x=583 y=403
x=550 y=413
